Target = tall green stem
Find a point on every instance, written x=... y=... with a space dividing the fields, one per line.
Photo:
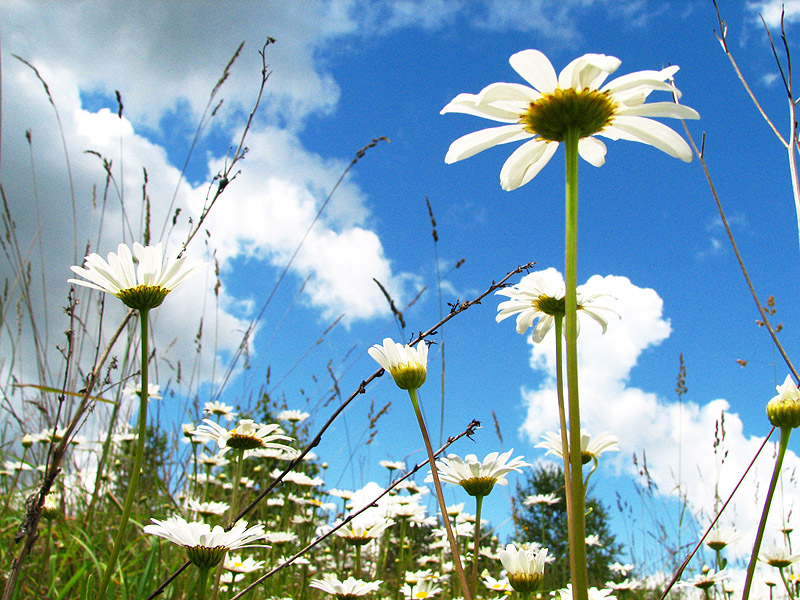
x=476 y=543
x=577 y=529
x=202 y=582
x=562 y=415
x=751 y=568
x=141 y=431
x=462 y=578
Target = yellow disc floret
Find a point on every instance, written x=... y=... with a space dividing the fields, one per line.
x=586 y=111
x=143 y=297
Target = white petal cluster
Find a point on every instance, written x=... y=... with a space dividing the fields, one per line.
x=120 y=273
x=408 y=365
x=511 y=102
x=539 y=296
x=521 y=561
x=470 y=473
x=351 y=586
x=178 y=531
x=246 y=435
x=590 y=447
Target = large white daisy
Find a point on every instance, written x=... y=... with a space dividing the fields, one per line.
x=540 y=296
x=573 y=100
x=142 y=283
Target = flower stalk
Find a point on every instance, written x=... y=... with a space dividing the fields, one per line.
x=476 y=542
x=562 y=415
x=451 y=538
x=576 y=494
x=751 y=567
x=141 y=431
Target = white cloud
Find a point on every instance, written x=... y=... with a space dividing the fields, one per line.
x=772 y=10
x=644 y=421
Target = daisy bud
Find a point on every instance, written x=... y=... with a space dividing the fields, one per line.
x=408 y=365
x=784 y=409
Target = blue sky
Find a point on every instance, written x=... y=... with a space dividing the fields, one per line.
x=346 y=72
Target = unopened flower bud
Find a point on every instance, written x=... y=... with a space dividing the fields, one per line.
x=784 y=409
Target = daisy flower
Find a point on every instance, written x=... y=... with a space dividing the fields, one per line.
x=594 y=593
x=408 y=365
x=207 y=508
x=140 y=287
x=421 y=590
x=279 y=538
x=235 y=564
x=348 y=588
x=573 y=101
x=478 y=478
x=706 y=580
x=497 y=585
x=623 y=570
x=540 y=295
x=524 y=568
x=719 y=537
x=219 y=409
x=293 y=416
x=134 y=390
x=393 y=465
x=362 y=531
x=593 y=540
x=780 y=558
x=590 y=448
x=205 y=546
x=247 y=435
x=784 y=409
x=541 y=499
x=626 y=585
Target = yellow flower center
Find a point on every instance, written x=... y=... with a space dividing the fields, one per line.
x=206 y=557
x=551 y=116
x=549 y=305
x=409 y=376
x=143 y=297
x=238 y=441
x=525 y=583
x=478 y=486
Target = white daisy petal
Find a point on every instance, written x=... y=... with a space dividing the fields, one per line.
x=525 y=162
x=536 y=69
x=140 y=287
x=592 y=151
x=545 y=111
x=660 y=109
x=656 y=134
x=478 y=141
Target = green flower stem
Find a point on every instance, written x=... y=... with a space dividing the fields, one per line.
x=786 y=583
x=141 y=432
x=357 y=574
x=562 y=416
x=202 y=582
x=476 y=543
x=232 y=511
x=751 y=568
x=401 y=567
x=462 y=578
x=577 y=529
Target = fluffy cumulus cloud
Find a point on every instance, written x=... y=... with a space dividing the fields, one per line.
x=706 y=438
x=62 y=206
x=772 y=10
